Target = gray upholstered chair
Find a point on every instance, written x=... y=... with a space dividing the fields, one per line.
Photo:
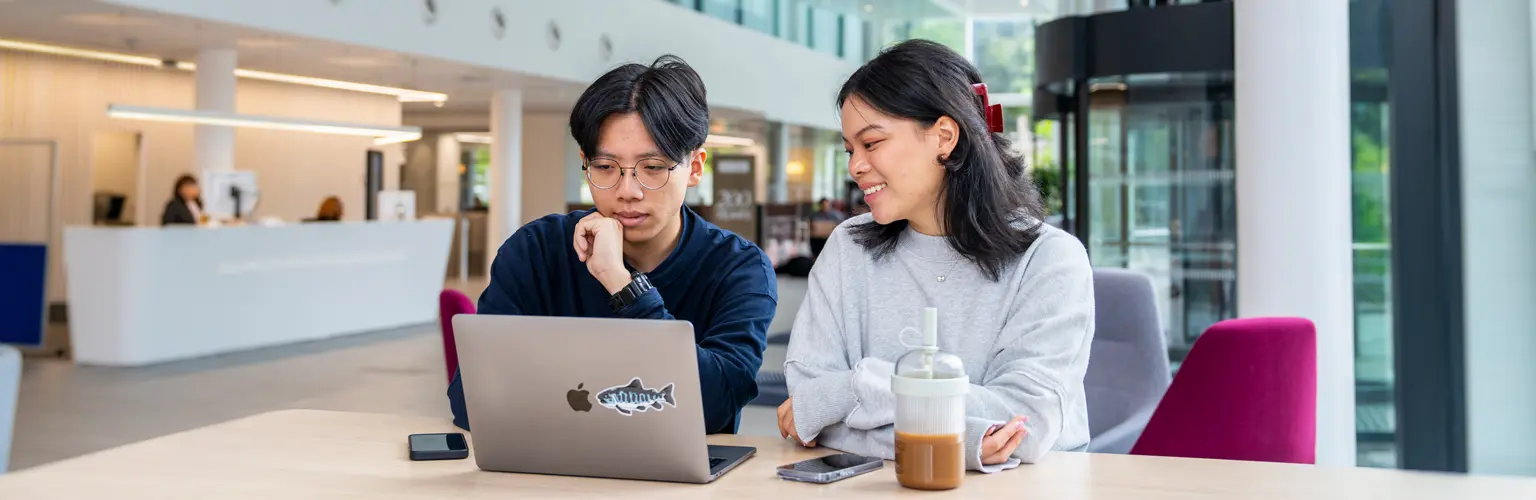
x=10 y=385
x=1128 y=366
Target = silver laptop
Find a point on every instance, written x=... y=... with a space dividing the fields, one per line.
x=610 y=398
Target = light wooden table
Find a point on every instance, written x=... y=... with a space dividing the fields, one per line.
x=319 y=454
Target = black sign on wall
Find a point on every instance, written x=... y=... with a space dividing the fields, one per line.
x=735 y=192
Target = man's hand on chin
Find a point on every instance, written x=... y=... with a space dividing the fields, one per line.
x=600 y=244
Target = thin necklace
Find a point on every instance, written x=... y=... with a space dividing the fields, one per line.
x=951 y=269
x=942 y=277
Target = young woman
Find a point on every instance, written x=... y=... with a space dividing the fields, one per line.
x=186 y=205
x=954 y=224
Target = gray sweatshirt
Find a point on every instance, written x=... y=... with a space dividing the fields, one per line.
x=1024 y=340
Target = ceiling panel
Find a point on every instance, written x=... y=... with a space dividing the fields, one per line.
x=92 y=25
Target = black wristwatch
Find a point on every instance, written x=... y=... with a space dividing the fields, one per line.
x=638 y=285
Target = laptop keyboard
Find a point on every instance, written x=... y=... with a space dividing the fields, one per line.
x=715 y=462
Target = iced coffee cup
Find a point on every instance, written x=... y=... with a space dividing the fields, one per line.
x=930 y=387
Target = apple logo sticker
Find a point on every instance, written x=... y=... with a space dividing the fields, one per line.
x=577 y=398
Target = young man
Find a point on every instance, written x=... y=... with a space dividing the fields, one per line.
x=642 y=254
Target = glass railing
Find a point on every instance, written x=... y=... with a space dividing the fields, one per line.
x=806 y=22
x=1056 y=9
x=1000 y=45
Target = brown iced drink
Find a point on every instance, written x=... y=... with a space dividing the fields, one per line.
x=930 y=461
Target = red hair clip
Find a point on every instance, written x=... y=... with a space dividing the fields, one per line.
x=992 y=112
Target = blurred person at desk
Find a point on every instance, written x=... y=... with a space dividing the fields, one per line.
x=825 y=212
x=823 y=222
x=641 y=253
x=330 y=211
x=186 y=205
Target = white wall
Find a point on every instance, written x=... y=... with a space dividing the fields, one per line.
x=1498 y=233
x=115 y=168
x=66 y=99
x=725 y=55
x=297 y=170
x=24 y=189
x=114 y=162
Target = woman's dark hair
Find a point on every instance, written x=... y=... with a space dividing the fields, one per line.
x=986 y=193
x=184 y=180
x=668 y=95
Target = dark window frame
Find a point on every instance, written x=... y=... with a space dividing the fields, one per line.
x=1427 y=280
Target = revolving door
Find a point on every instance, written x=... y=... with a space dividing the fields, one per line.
x=1147 y=147
x=1161 y=193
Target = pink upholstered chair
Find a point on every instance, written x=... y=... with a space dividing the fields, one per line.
x=451 y=303
x=1247 y=391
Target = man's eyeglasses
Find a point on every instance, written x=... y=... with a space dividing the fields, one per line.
x=652 y=174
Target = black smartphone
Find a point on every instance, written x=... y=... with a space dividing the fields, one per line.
x=450 y=446
x=830 y=468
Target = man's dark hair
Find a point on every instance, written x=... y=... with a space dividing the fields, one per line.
x=668 y=95
x=992 y=212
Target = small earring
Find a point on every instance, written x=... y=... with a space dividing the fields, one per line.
x=942 y=159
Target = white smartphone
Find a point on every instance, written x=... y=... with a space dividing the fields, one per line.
x=830 y=468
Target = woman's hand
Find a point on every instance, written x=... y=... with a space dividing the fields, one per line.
x=787 y=424
x=999 y=442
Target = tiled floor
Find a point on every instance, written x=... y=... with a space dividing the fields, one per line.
x=66 y=410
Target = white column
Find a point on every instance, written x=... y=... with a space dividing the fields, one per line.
x=778 y=162
x=505 y=175
x=447 y=172
x=215 y=144
x=1293 y=190
x=1498 y=198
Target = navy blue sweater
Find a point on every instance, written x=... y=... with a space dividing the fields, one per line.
x=718 y=281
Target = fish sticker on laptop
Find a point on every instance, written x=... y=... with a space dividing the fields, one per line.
x=633 y=397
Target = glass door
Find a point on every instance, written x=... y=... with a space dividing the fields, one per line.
x=1162 y=191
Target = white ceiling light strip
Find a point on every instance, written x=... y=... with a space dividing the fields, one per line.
x=382 y=134
x=404 y=95
x=712 y=140
x=82 y=53
x=726 y=140
x=473 y=138
x=396 y=139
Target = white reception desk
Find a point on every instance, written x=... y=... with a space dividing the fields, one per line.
x=149 y=295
